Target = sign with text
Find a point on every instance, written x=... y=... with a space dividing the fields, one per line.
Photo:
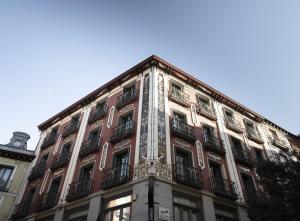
x=163 y=214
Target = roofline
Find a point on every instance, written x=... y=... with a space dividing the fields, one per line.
x=170 y=69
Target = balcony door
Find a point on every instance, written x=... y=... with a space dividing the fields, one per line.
x=126 y=121
x=120 y=165
x=208 y=133
x=43 y=161
x=29 y=198
x=180 y=120
x=65 y=150
x=93 y=136
x=53 y=191
x=184 y=165
x=129 y=91
x=229 y=116
x=84 y=178
x=237 y=147
x=217 y=177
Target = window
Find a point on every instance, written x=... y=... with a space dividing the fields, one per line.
x=5 y=174
x=237 y=146
x=53 y=191
x=101 y=105
x=176 y=88
x=94 y=135
x=184 y=164
x=29 y=197
x=259 y=155
x=120 y=164
x=66 y=149
x=203 y=100
x=248 y=183
x=180 y=117
x=117 y=209
x=126 y=122
x=208 y=132
x=274 y=134
x=186 y=209
x=217 y=181
x=75 y=120
x=85 y=174
x=54 y=132
x=228 y=115
x=129 y=91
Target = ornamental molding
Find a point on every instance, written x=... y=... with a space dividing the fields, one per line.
x=89 y=158
x=97 y=124
x=122 y=144
x=200 y=155
x=214 y=157
x=245 y=169
x=103 y=156
x=182 y=143
x=193 y=114
x=127 y=108
x=58 y=172
x=111 y=116
x=156 y=168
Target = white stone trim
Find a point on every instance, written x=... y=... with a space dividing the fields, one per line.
x=200 y=155
x=111 y=116
x=103 y=156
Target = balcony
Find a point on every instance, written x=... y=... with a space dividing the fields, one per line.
x=126 y=98
x=206 y=111
x=223 y=188
x=213 y=144
x=179 y=97
x=49 y=141
x=187 y=175
x=280 y=143
x=97 y=114
x=243 y=157
x=37 y=171
x=46 y=201
x=79 y=189
x=234 y=125
x=3 y=185
x=21 y=210
x=254 y=197
x=88 y=147
x=60 y=161
x=254 y=136
x=72 y=128
x=182 y=130
x=116 y=176
x=122 y=131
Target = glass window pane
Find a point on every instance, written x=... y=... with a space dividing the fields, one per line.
x=116 y=215
x=126 y=214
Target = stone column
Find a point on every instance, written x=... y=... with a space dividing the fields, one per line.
x=208 y=208
x=163 y=198
x=94 y=208
x=242 y=214
x=139 y=204
x=59 y=214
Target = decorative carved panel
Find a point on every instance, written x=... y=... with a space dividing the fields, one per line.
x=156 y=167
x=122 y=144
x=144 y=120
x=194 y=114
x=89 y=158
x=161 y=120
x=103 y=156
x=111 y=116
x=200 y=154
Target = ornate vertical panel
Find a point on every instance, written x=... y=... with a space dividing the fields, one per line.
x=144 y=120
x=200 y=154
x=111 y=116
x=161 y=120
x=103 y=156
x=193 y=113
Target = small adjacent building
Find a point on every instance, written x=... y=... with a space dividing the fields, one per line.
x=15 y=160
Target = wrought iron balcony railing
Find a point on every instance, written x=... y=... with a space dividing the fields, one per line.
x=243 y=156
x=213 y=144
x=97 y=114
x=122 y=131
x=182 y=130
x=116 y=176
x=79 y=189
x=280 y=143
x=88 y=147
x=206 y=111
x=46 y=201
x=187 y=175
x=21 y=210
x=72 y=128
x=49 y=141
x=223 y=188
x=254 y=136
x=126 y=98
x=253 y=197
x=233 y=125
x=179 y=97
x=60 y=161
x=3 y=185
x=37 y=171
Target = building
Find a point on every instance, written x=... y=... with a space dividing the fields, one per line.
x=152 y=144
x=14 y=162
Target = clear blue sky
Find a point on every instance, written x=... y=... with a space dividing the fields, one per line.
x=52 y=53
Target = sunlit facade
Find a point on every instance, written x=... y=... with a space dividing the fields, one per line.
x=152 y=144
